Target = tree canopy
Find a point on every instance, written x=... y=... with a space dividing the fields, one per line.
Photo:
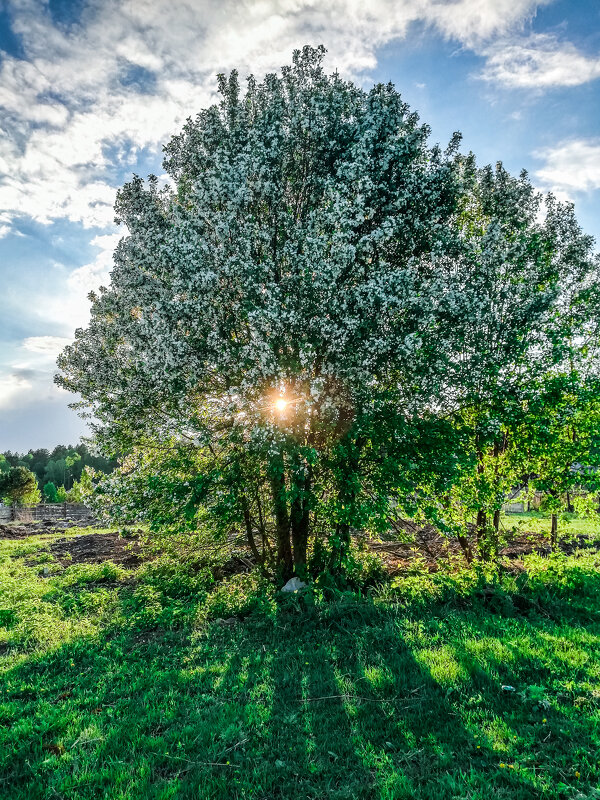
x=63 y=466
x=323 y=321
x=19 y=485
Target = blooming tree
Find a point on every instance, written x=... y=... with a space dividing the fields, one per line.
x=295 y=323
x=273 y=301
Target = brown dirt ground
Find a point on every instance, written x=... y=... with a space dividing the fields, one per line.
x=434 y=548
x=95 y=548
x=87 y=548
x=21 y=530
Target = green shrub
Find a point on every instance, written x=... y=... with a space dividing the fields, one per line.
x=93 y=601
x=175 y=579
x=359 y=570
x=547 y=582
x=144 y=606
x=82 y=574
x=8 y=617
x=564 y=575
x=239 y=596
x=423 y=588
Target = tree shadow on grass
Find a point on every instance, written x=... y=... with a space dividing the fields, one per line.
x=377 y=724
x=544 y=721
x=410 y=710
x=341 y=700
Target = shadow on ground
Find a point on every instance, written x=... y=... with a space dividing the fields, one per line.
x=342 y=700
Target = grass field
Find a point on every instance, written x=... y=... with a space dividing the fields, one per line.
x=539 y=522
x=152 y=682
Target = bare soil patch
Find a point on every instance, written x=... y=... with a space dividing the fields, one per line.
x=21 y=530
x=88 y=548
x=432 y=548
x=95 y=548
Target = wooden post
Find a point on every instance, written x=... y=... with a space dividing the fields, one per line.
x=554 y=531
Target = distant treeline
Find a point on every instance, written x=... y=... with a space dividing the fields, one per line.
x=61 y=466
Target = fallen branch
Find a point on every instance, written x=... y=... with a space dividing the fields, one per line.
x=350 y=697
x=198 y=763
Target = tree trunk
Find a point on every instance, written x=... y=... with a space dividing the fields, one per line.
x=466 y=548
x=495 y=543
x=481 y=529
x=260 y=560
x=570 y=506
x=266 y=545
x=343 y=544
x=285 y=561
x=554 y=531
x=481 y=521
x=300 y=519
x=347 y=497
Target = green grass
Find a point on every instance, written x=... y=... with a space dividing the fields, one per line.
x=158 y=684
x=569 y=525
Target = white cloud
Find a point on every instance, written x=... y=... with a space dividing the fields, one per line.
x=570 y=167
x=107 y=242
x=12 y=387
x=472 y=21
x=91 y=276
x=70 y=308
x=540 y=61
x=65 y=104
x=27 y=377
x=5 y=225
x=24 y=387
x=46 y=345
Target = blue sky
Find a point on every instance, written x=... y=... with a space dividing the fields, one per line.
x=90 y=90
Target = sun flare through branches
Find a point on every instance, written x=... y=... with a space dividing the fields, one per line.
x=280 y=405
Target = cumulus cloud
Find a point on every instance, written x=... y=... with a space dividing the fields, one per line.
x=27 y=377
x=13 y=387
x=29 y=382
x=473 y=21
x=540 y=61
x=5 y=225
x=570 y=167
x=46 y=345
x=67 y=105
x=34 y=412
x=26 y=381
x=90 y=277
x=70 y=307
